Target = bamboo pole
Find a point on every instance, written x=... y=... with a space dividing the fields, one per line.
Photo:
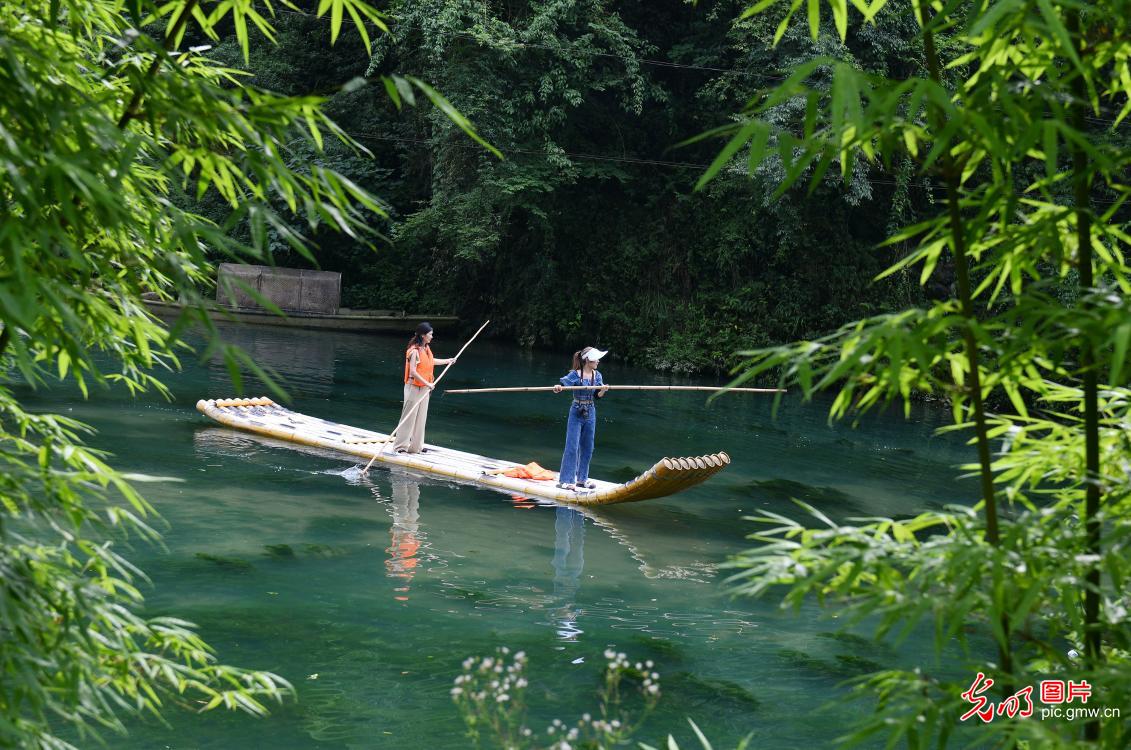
x=381 y=446
x=529 y=389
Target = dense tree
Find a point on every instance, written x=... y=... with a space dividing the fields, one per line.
x=590 y=228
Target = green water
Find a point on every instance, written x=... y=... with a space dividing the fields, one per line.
x=368 y=595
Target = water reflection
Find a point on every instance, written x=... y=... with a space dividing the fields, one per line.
x=408 y=544
x=569 y=560
x=301 y=361
x=405 y=538
x=691 y=568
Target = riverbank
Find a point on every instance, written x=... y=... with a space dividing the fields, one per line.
x=346 y=320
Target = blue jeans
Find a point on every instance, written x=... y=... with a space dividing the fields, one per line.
x=578 y=445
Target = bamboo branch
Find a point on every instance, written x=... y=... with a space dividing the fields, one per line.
x=131 y=109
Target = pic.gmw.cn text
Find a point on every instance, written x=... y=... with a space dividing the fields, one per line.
x=1056 y=697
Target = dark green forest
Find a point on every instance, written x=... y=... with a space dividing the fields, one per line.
x=590 y=229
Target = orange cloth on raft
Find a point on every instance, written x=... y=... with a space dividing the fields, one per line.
x=424 y=367
x=530 y=471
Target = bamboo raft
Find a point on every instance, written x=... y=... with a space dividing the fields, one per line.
x=264 y=417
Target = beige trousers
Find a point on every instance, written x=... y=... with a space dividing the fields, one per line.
x=410 y=437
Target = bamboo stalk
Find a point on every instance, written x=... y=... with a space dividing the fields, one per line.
x=529 y=389
x=951 y=172
x=1094 y=626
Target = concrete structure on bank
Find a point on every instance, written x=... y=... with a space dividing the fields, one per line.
x=308 y=299
x=291 y=289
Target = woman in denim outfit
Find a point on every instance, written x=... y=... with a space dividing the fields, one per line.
x=582 y=422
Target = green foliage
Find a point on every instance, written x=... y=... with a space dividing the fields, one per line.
x=701 y=738
x=491 y=697
x=1032 y=232
x=589 y=229
x=106 y=134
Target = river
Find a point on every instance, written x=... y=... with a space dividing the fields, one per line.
x=368 y=594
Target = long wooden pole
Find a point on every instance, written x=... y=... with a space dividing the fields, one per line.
x=381 y=446
x=528 y=389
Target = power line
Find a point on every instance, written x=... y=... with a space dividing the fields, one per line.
x=595 y=157
x=630 y=160
x=533 y=152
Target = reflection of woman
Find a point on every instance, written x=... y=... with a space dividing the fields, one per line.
x=582 y=423
x=569 y=560
x=404 y=542
x=418 y=383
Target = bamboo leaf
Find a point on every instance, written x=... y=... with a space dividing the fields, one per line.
x=755 y=9
x=729 y=150
x=1121 y=337
x=814 y=18
x=1052 y=20
x=391 y=90
x=699 y=734
x=453 y=114
x=1051 y=139
x=240 y=23
x=360 y=24
x=840 y=17
x=335 y=19
x=784 y=24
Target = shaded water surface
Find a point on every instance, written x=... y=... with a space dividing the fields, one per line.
x=367 y=594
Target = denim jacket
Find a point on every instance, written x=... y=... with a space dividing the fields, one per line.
x=572 y=378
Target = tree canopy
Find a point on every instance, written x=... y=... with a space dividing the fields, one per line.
x=590 y=230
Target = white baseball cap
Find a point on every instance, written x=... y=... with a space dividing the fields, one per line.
x=593 y=354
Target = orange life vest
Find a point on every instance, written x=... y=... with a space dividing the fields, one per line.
x=424 y=367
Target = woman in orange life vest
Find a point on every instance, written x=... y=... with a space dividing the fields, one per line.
x=582 y=422
x=418 y=383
